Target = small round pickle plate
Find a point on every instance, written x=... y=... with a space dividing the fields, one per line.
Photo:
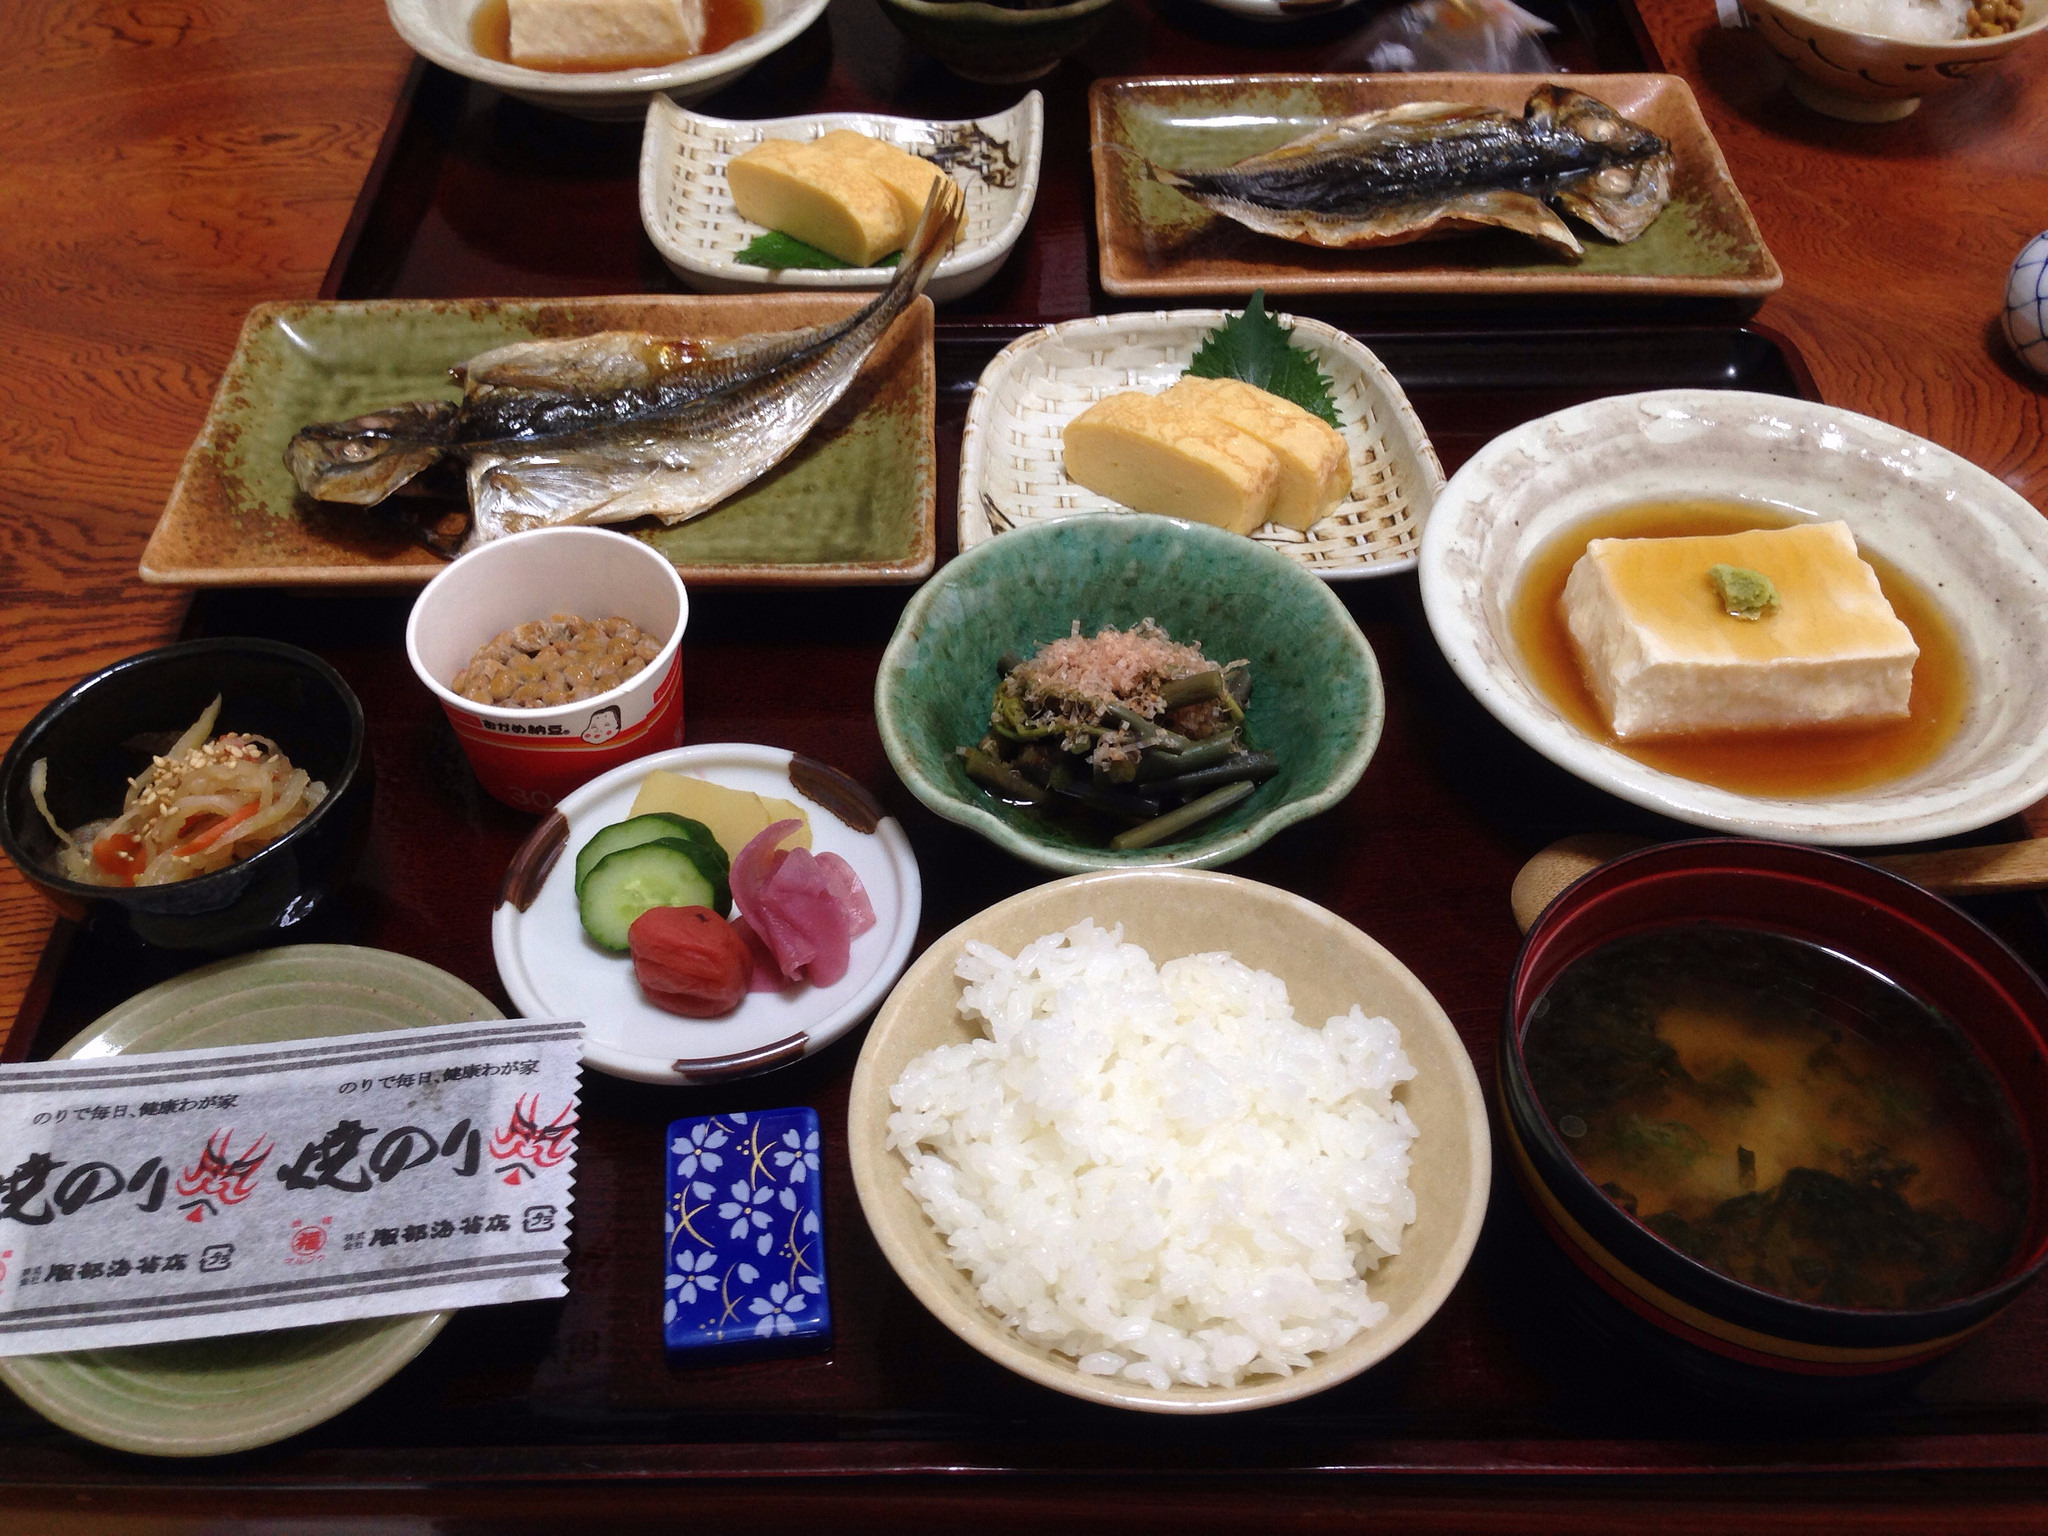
x=552 y=969
x=208 y=1397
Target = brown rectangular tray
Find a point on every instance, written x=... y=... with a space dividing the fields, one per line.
x=1155 y=243
x=474 y=194
x=1503 y=1386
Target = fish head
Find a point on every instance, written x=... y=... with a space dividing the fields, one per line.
x=1620 y=140
x=1629 y=182
x=363 y=460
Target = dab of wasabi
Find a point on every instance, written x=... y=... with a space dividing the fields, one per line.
x=1745 y=594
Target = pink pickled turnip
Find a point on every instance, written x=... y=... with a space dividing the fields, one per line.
x=789 y=901
x=853 y=896
x=767 y=975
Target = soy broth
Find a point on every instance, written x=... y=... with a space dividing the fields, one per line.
x=1782 y=1114
x=1796 y=762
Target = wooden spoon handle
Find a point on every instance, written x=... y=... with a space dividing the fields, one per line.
x=1948 y=872
x=1974 y=871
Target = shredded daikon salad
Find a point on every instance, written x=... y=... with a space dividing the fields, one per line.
x=199 y=807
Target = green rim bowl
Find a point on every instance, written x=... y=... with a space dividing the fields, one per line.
x=997 y=44
x=1316 y=697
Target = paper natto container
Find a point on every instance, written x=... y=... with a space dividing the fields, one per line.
x=532 y=757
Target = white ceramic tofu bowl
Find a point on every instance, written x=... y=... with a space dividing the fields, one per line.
x=439 y=30
x=1977 y=547
x=686 y=204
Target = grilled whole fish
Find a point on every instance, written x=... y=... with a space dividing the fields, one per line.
x=618 y=425
x=1429 y=168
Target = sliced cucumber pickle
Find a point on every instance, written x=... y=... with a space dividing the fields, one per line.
x=643 y=829
x=668 y=872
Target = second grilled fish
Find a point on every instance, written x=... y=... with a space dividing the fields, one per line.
x=604 y=428
x=1429 y=168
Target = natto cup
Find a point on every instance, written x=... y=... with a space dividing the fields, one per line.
x=530 y=758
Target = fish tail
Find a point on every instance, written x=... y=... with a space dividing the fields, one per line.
x=944 y=210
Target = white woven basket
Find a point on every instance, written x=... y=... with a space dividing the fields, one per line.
x=1012 y=472
x=686 y=204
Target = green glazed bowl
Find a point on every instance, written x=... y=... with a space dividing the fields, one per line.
x=1316 y=698
x=1000 y=45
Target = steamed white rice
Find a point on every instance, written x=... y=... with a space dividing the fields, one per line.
x=1158 y=1170
x=1914 y=21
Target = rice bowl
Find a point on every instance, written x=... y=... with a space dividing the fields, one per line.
x=1327 y=966
x=1157 y=1171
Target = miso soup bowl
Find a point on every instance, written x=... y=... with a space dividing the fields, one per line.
x=1722 y=1333
x=100 y=733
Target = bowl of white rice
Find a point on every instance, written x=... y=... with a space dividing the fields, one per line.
x=1871 y=61
x=1144 y=1169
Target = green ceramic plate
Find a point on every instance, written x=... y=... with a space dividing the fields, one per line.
x=205 y=1397
x=855 y=503
x=1155 y=242
x=1316 y=698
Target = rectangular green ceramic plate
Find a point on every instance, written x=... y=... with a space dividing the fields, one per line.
x=854 y=504
x=1157 y=243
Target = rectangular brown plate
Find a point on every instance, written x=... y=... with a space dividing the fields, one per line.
x=854 y=504
x=1157 y=243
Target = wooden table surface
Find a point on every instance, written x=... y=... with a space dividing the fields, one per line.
x=172 y=162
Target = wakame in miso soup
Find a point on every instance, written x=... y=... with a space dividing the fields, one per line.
x=1783 y=1114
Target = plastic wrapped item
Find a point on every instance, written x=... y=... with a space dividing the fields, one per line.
x=1484 y=36
x=745 y=1224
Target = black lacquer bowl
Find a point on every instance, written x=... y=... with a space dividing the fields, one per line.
x=1632 y=1286
x=101 y=733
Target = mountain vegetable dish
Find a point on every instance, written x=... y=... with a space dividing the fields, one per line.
x=1131 y=728
x=197 y=808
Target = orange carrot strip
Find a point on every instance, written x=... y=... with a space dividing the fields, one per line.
x=212 y=834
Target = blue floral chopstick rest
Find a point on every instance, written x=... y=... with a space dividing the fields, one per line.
x=745 y=1229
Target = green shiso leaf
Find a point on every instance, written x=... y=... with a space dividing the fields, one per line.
x=1256 y=348
x=777 y=250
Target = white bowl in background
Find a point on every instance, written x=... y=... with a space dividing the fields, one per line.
x=1978 y=549
x=686 y=205
x=439 y=30
x=1865 y=77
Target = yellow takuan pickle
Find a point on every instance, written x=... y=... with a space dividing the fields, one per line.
x=735 y=816
x=1315 y=464
x=1158 y=455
